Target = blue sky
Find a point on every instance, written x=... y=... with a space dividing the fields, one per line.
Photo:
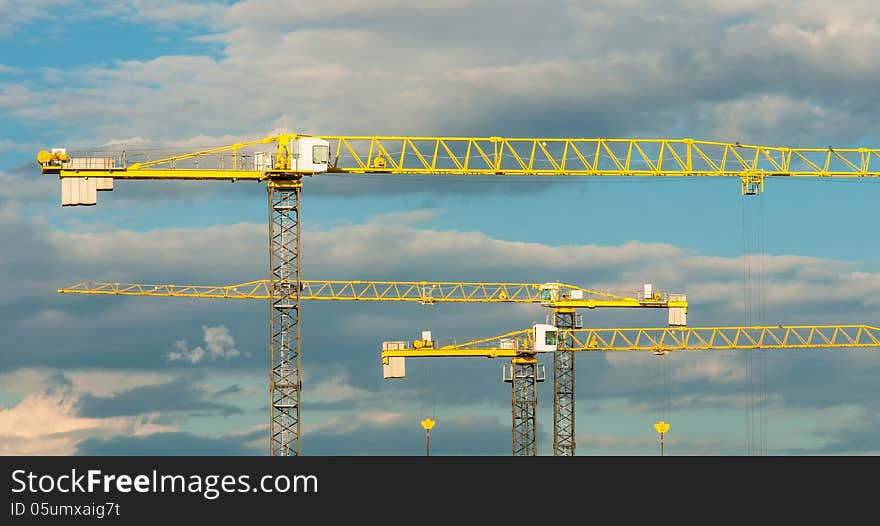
x=183 y=74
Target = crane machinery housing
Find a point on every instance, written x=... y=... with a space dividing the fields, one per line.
x=282 y=162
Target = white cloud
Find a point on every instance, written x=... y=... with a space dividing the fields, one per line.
x=17 y=189
x=219 y=345
x=718 y=370
x=586 y=440
x=626 y=68
x=345 y=422
x=337 y=388
x=175 y=11
x=15 y=146
x=81 y=381
x=43 y=425
x=14 y=12
x=14 y=96
x=409 y=217
x=45 y=421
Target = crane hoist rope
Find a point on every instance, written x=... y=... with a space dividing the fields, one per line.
x=663 y=390
x=762 y=359
x=754 y=312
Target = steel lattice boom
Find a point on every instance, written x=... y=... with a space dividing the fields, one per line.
x=427 y=292
x=661 y=339
x=270 y=157
x=592 y=156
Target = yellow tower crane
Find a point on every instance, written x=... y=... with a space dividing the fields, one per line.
x=523 y=346
x=282 y=162
x=549 y=294
x=563 y=298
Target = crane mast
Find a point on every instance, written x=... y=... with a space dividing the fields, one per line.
x=564 y=442
x=282 y=161
x=285 y=383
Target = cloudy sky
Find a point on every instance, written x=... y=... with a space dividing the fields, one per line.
x=110 y=375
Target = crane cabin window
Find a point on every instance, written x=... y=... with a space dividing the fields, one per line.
x=320 y=154
x=550 y=338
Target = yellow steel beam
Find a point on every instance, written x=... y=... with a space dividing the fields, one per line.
x=664 y=339
x=593 y=156
x=232 y=162
x=407 y=291
x=454 y=353
x=727 y=338
x=279 y=179
x=547 y=156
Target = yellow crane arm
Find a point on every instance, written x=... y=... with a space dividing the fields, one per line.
x=592 y=156
x=550 y=294
x=275 y=157
x=658 y=340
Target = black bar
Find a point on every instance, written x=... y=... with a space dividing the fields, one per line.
x=386 y=490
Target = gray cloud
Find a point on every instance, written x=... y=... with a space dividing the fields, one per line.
x=231 y=390
x=455 y=436
x=182 y=394
x=58 y=384
x=859 y=439
x=173 y=443
x=745 y=74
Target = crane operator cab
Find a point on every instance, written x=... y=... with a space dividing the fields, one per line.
x=549 y=293
x=308 y=155
x=553 y=292
x=545 y=337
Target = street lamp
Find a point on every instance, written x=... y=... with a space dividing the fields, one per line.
x=428 y=424
x=661 y=427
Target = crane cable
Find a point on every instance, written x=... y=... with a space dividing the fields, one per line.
x=746 y=320
x=762 y=304
x=754 y=312
x=428 y=401
x=665 y=359
x=661 y=402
